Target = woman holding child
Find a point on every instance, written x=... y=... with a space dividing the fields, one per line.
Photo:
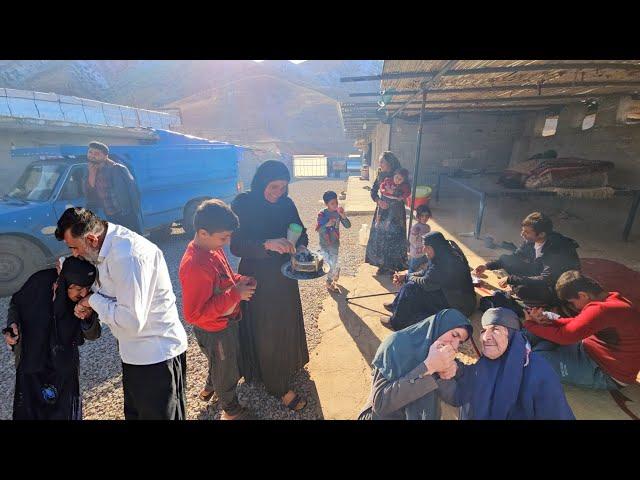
x=387 y=246
x=272 y=335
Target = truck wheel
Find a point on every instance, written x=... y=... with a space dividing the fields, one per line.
x=189 y=213
x=19 y=259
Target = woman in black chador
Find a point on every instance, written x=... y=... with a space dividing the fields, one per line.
x=272 y=336
x=45 y=334
x=387 y=245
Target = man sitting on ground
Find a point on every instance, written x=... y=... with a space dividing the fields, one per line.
x=535 y=267
x=600 y=347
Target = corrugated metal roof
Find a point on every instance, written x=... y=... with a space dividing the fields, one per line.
x=490 y=85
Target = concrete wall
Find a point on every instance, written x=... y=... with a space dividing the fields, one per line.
x=10 y=169
x=608 y=139
x=495 y=140
x=467 y=140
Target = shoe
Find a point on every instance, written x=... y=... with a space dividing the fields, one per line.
x=388 y=306
x=243 y=414
x=386 y=322
x=381 y=271
x=205 y=396
x=296 y=404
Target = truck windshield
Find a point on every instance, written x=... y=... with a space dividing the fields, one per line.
x=37 y=182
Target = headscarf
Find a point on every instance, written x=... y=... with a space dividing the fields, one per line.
x=268 y=172
x=392 y=160
x=496 y=384
x=446 y=251
x=440 y=245
x=402 y=351
x=66 y=326
x=501 y=316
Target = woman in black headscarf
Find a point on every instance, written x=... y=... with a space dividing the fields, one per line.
x=387 y=246
x=272 y=336
x=41 y=314
x=445 y=283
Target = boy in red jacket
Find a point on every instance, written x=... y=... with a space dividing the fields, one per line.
x=598 y=348
x=211 y=296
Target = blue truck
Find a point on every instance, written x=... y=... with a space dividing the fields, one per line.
x=173 y=174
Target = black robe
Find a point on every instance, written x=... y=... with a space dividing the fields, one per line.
x=387 y=245
x=47 y=350
x=272 y=335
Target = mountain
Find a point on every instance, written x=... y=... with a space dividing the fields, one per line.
x=263 y=110
x=274 y=101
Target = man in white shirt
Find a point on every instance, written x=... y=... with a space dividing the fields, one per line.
x=134 y=297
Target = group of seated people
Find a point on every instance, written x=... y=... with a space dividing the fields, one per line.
x=573 y=332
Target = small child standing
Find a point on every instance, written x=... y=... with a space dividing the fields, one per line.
x=211 y=296
x=417 y=258
x=328 y=228
x=394 y=189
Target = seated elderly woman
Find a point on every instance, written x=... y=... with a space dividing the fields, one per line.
x=445 y=283
x=412 y=364
x=509 y=382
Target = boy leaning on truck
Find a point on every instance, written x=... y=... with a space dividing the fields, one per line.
x=211 y=296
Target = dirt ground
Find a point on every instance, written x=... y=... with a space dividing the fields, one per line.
x=101 y=377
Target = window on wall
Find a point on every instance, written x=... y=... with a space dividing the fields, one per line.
x=589 y=119
x=550 y=126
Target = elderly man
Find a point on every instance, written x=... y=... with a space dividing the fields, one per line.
x=134 y=297
x=110 y=186
x=44 y=334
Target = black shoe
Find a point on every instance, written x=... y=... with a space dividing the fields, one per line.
x=388 y=306
x=386 y=322
x=381 y=271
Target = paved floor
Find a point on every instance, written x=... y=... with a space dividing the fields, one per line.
x=351 y=332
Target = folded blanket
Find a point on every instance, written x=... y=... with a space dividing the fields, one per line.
x=558 y=172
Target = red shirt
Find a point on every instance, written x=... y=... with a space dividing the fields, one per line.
x=610 y=333
x=208 y=297
x=390 y=189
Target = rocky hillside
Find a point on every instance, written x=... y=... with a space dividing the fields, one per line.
x=272 y=102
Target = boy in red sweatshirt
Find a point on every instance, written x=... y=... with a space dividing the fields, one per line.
x=600 y=347
x=211 y=296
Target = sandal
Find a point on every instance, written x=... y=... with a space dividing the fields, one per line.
x=296 y=404
x=244 y=414
x=206 y=396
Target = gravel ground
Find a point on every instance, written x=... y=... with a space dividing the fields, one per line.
x=101 y=377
